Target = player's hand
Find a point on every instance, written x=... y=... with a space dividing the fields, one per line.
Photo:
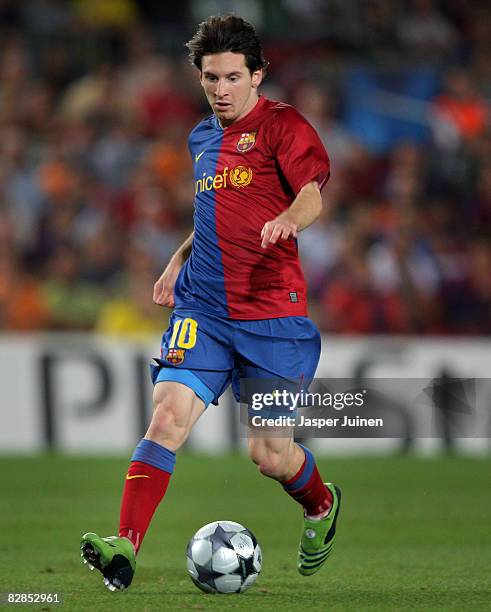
x=276 y=229
x=163 y=290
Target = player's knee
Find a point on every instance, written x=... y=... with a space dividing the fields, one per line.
x=163 y=418
x=169 y=423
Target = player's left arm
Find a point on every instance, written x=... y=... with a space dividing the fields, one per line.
x=303 y=211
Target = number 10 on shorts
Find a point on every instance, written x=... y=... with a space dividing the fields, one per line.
x=184 y=331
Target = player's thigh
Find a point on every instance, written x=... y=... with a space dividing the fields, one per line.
x=276 y=357
x=196 y=341
x=287 y=347
x=196 y=351
x=177 y=403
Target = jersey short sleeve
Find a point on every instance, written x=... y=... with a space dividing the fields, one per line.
x=298 y=149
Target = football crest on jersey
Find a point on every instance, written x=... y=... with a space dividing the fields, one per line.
x=246 y=142
x=175 y=356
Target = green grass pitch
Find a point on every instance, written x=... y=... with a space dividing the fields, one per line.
x=413 y=534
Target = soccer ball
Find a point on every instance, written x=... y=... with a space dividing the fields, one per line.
x=223 y=557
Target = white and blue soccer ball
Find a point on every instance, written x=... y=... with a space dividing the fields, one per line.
x=223 y=557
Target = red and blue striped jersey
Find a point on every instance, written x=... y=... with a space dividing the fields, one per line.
x=245 y=175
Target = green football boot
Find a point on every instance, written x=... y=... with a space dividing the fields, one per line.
x=318 y=537
x=114 y=557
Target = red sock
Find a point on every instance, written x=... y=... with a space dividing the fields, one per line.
x=144 y=488
x=307 y=488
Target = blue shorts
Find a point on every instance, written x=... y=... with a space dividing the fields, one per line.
x=208 y=353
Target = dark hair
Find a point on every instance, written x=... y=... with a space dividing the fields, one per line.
x=227 y=33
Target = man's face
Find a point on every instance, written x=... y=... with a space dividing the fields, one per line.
x=230 y=88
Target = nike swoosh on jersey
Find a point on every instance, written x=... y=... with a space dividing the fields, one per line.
x=196 y=157
x=128 y=477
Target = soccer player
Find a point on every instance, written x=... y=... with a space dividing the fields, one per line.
x=238 y=294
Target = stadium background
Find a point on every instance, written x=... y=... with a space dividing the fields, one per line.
x=96 y=191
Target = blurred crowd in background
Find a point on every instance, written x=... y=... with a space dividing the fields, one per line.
x=96 y=188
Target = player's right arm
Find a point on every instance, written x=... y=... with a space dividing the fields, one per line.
x=163 y=290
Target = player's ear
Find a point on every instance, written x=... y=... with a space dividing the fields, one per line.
x=257 y=77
